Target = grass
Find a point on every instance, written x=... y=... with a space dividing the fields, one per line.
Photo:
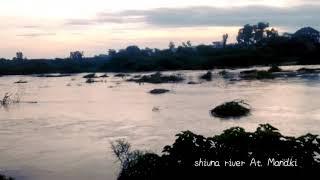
x=231 y=109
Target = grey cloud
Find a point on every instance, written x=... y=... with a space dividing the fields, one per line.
x=211 y=16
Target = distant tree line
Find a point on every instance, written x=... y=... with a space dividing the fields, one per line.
x=257 y=44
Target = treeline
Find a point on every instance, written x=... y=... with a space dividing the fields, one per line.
x=256 y=45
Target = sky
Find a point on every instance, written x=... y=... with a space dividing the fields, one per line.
x=48 y=29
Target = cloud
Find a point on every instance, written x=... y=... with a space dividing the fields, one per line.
x=211 y=16
x=36 y=34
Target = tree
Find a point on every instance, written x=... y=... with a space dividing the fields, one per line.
x=252 y=34
x=112 y=52
x=245 y=35
x=172 y=46
x=308 y=33
x=272 y=33
x=76 y=55
x=224 y=40
x=259 y=31
x=189 y=44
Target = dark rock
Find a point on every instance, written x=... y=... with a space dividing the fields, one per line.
x=207 y=76
x=158 y=78
x=21 y=82
x=275 y=68
x=159 y=91
x=231 y=109
x=90 y=76
x=255 y=74
x=104 y=76
x=122 y=75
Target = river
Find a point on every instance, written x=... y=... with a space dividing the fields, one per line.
x=67 y=133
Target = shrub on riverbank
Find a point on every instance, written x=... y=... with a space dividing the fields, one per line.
x=191 y=154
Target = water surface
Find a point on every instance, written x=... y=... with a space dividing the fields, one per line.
x=67 y=134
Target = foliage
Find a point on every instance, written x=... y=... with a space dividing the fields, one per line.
x=158 y=78
x=266 y=143
x=231 y=109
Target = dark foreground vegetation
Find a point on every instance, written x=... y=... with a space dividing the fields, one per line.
x=256 y=45
x=3 y=177
x=235 y=150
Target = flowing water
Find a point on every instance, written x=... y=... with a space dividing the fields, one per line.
x=67 y=133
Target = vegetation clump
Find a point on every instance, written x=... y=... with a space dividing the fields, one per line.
x=308 y=70
x=274 y=68
x=104 y=76
x=90 y=76
x=21 y=82
x=158 y=78
x=255 y=74
x=121 y=75
x=223 y=73
x=8 y=99
x=191 y=154
x=207 y=76
x=159 y=91
x=192 y=83
x=90 y=80
x=231 y=109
